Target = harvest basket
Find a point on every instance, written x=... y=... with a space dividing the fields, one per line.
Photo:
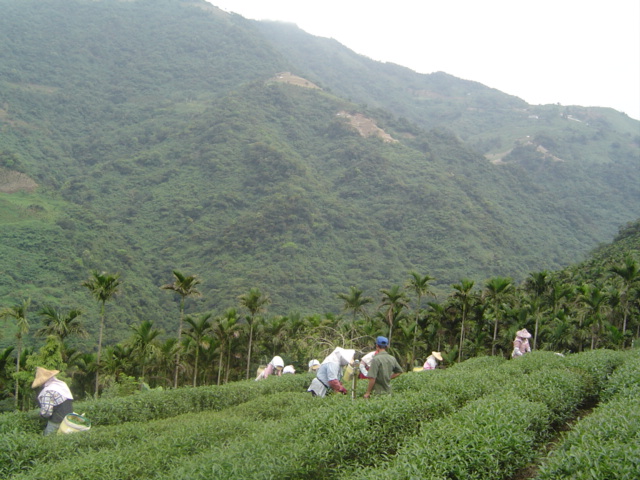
x=348 y=374
x=74 y=423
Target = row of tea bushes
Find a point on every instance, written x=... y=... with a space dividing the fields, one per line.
x=495 y=435
x=158 y=404
x=606 y=444
x=306 y=420
x=488 y=439
x=353 y=435
x=128 y=451
x=274 y=429
x=319 y=444
x=625 y=381
x=142 y=450
x=597 y=366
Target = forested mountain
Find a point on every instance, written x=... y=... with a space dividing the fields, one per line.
x=147 y=136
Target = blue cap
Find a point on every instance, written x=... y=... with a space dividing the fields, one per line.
x=382 y=342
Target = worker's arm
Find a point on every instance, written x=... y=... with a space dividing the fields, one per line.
x=336 y=386
x=333 y=377
x=47 y=401
x=372 y=382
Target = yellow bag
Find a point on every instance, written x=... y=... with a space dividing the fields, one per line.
x=259 y=372
x=348 y=374
x=74 y=423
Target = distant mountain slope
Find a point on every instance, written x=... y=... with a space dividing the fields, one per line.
x=588 y=157
x=162 y=136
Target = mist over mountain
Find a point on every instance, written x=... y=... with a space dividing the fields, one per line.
x=145 y=136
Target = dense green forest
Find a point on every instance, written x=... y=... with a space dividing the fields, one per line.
x=139 y=139
x=587 y=306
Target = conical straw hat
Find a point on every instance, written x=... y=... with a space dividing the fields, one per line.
x=42 y=375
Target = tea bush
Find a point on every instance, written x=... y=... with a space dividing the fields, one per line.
x=597 y=366
x=27 y=422
x=158 y=404
x=625 y=381
x=486 y=414
x=605 y=444
x=459 y=385
x=131 y=451
x=561 y=390
x=336 y=434
x=488 y=439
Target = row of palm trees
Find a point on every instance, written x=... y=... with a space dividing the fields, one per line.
x=566 y=311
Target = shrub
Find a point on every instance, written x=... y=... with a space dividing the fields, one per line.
x=596 y=366
x=625 y=381
x=488 y=439
x=603 y=446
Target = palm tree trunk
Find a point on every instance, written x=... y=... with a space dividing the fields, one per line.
x=99 y=349
x=220 y=364
x=461 y=339
x=228 y=365
x=495 y=336
x=249 y=353
x=195 y=368
x=18 y=370
x=175 y=372
x=415 y=334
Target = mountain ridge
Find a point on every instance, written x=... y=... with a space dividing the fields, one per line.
x=167 y=145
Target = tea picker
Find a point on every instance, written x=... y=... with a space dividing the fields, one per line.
x=274 y=367
x=521 y=343
x=330 y=372
x=56 y=404
x=432 y=361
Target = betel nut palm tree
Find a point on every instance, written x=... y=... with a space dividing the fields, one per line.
x=537 y=284
x=497 y=290
x=255 y=302
x=103 y=287
x=629 y=275
x=60 y=325
x=19 y=314
x=185 y=286
x=419 y=284
x=355 y=302
x=394 y=300
x=144 y=343
x=226 y=328
x=198 y=333
x=463 y=293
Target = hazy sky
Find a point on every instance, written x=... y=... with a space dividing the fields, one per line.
x=572 y=52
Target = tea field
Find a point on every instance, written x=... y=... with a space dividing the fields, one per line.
x=574 y=417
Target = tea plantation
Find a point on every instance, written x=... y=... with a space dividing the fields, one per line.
x=573 y=417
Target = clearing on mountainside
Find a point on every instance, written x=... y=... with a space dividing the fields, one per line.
x=288 y=77
x=366 y=126
x=12 y=182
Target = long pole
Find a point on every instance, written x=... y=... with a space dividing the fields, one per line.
x=356 y=370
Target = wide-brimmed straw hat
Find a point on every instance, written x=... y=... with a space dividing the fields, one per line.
x=42 y=375
x=523 y=333
x=438 y=355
